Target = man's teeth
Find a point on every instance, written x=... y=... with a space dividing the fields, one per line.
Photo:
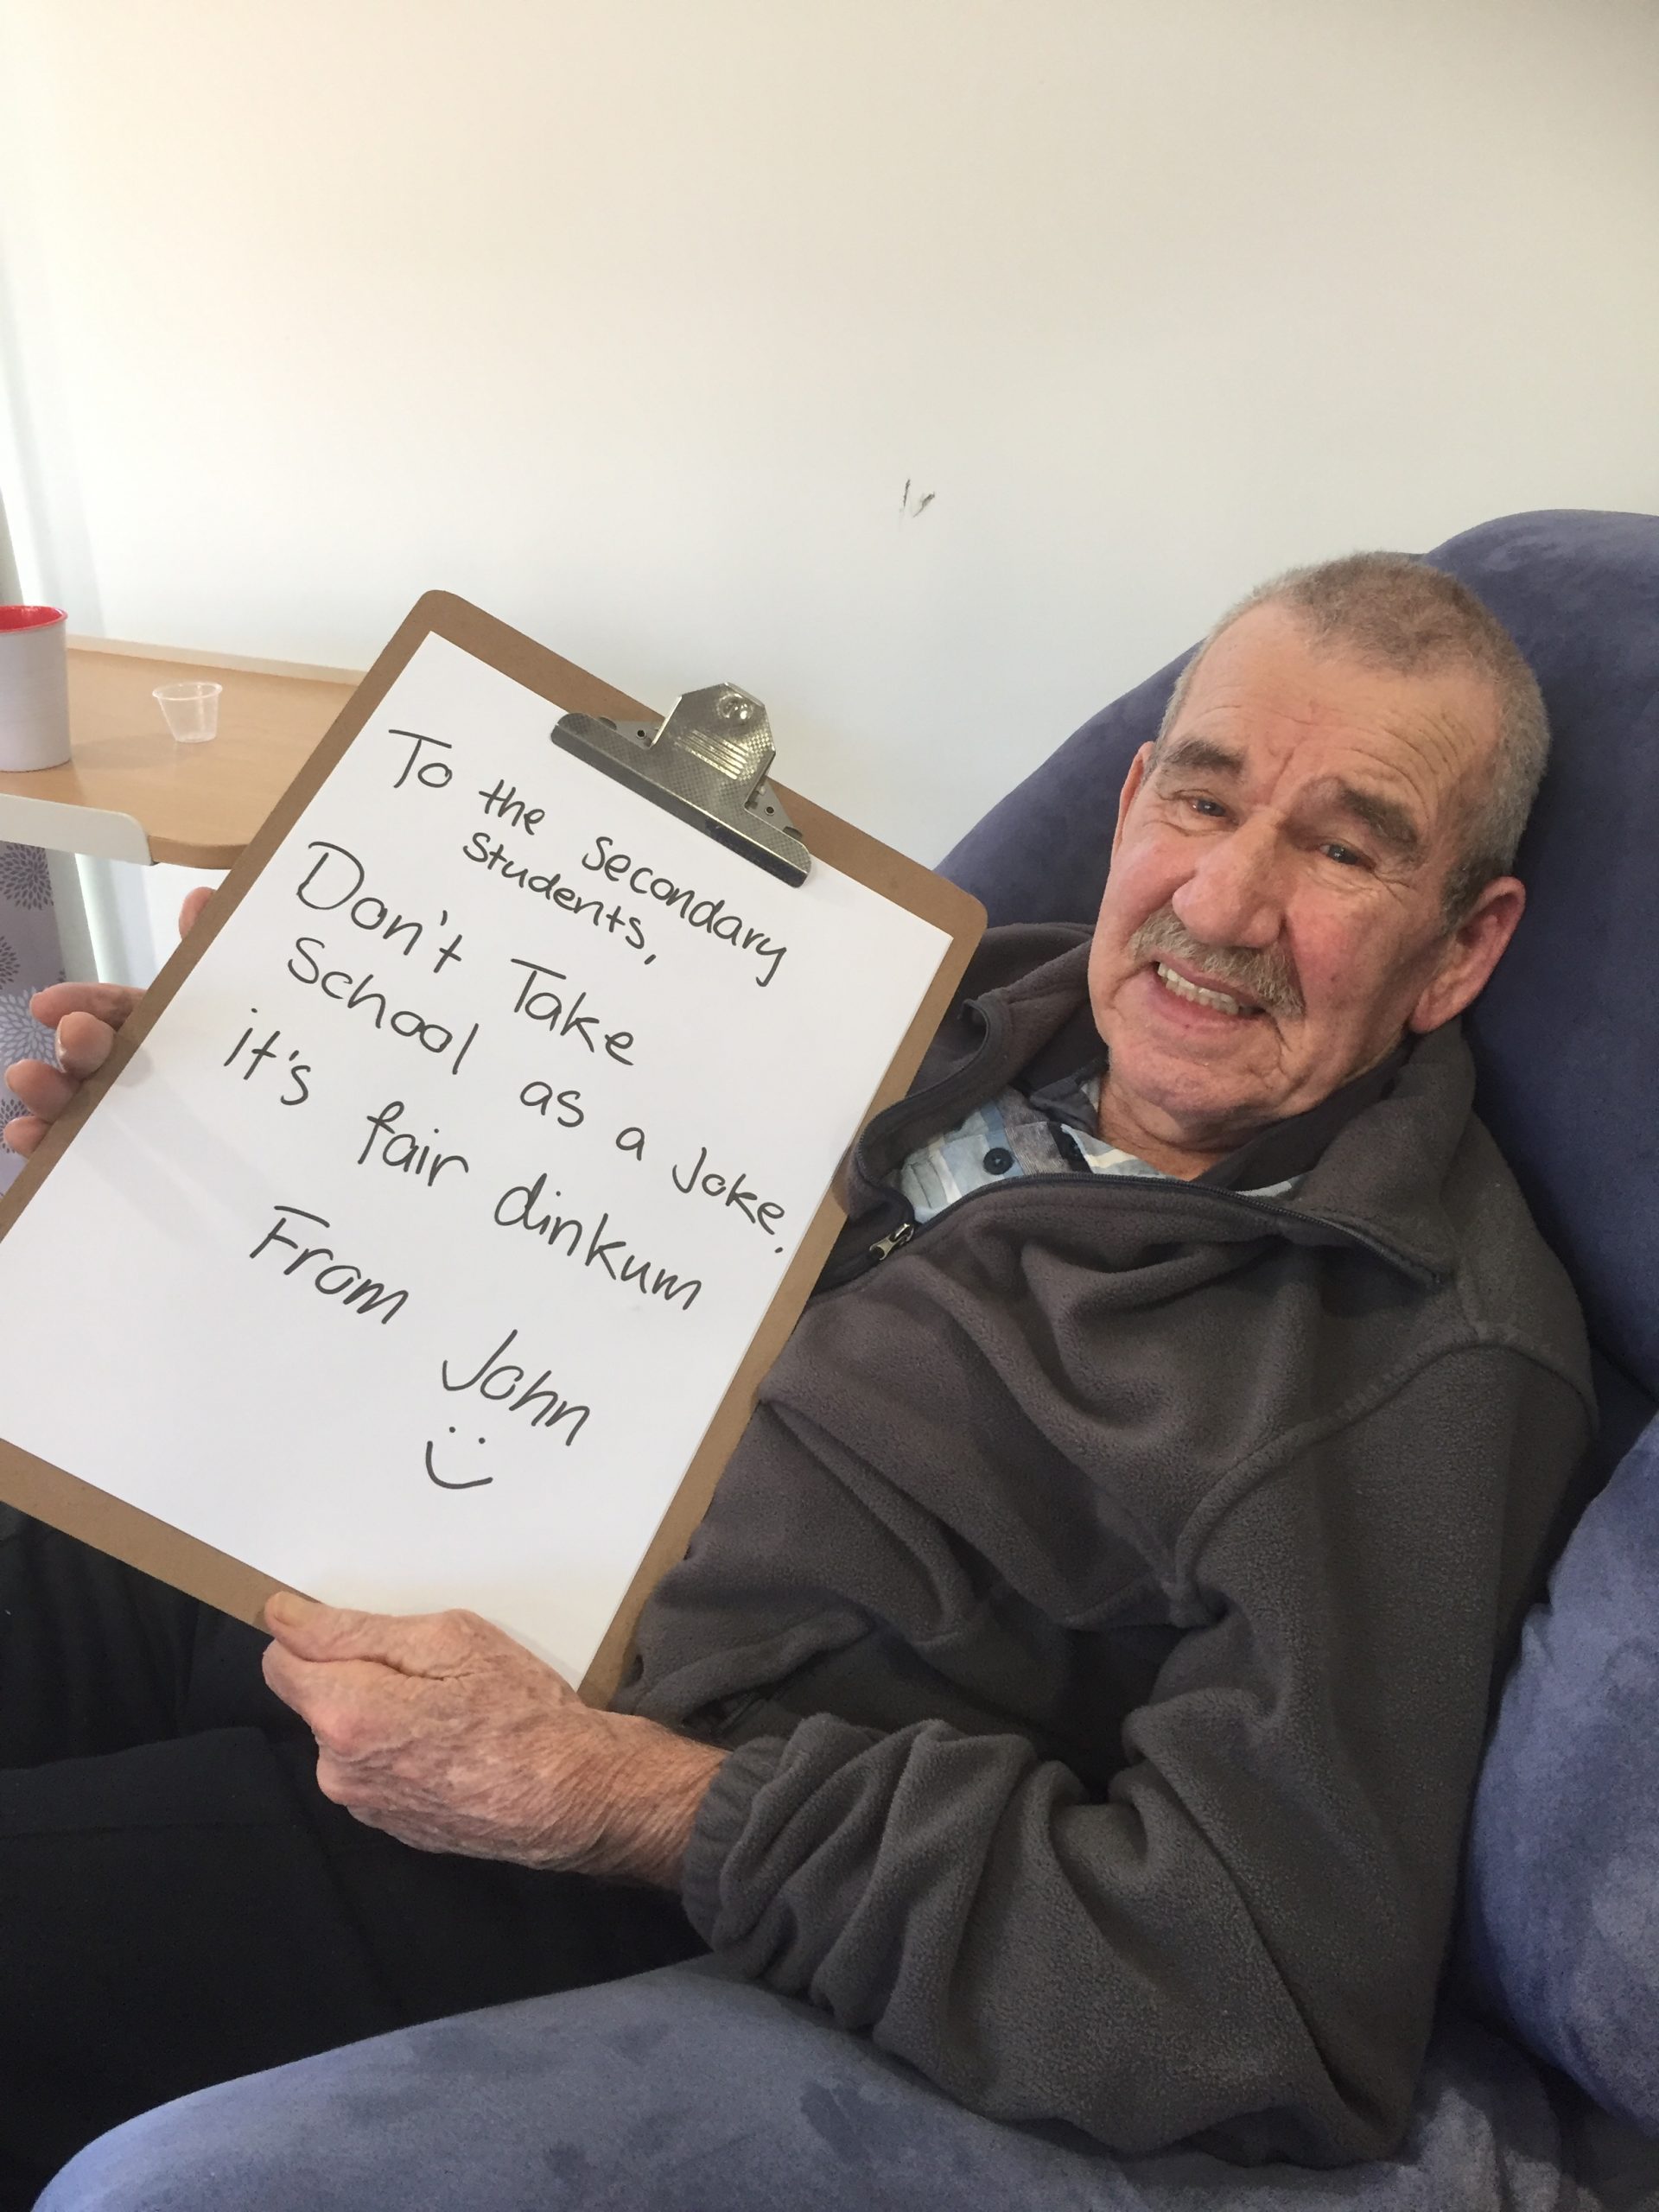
x=1197 y=993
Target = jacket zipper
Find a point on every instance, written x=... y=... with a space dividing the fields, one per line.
x=885 y=1246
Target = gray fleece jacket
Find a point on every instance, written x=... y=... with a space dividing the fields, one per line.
x=1104 y=1603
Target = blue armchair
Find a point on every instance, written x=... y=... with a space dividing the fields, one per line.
x=684 y=2089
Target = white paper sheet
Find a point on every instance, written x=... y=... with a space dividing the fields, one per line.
x=412 y=1256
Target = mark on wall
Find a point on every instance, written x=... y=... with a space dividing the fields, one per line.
x=917 y=506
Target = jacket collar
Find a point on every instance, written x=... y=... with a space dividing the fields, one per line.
x=1383 y=1170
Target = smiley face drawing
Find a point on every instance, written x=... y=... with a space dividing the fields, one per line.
x=477 y=1483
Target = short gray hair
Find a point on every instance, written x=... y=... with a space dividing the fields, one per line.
x=1393 y=611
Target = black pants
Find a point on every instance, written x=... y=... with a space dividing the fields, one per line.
x=179 y=1904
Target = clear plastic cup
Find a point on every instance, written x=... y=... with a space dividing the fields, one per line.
x=192 y=710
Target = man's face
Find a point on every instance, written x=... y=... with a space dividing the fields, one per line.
x=1287 y=849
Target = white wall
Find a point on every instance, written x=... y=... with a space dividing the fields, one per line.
x=631 y=319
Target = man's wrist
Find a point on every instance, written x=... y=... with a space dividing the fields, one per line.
x=660 y=1782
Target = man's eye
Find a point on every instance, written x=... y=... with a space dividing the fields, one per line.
x=1211 y=807
x=1346 y=855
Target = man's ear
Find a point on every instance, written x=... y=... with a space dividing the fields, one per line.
x=1126 y=797
x=1470 y=954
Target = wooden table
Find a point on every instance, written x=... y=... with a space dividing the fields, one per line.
x=135 y=794
x=130 y=794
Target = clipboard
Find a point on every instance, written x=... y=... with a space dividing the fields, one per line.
x=707 y=763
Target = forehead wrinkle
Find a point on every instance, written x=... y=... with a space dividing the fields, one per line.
x=1430 y=749
x=1442 y=738
x=1384 y=818
x=1194 y=752
x=1440 y=759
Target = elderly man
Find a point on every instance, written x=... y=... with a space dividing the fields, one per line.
x=1078 y=1682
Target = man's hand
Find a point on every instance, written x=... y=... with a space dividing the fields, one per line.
x=86 y=1017
x=442 y=1731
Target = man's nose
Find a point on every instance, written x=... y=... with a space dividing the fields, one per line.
x=1234 y=896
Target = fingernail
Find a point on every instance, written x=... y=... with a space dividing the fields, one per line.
x=289 y=1607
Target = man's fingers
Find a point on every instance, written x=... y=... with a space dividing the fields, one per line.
x=357 y=1710
x=294 y=1680
x=86 y=1017
x=414 y=1643
x=84 y=1044
x=42 y=1089
x=22 y=1132
x=109 y=1002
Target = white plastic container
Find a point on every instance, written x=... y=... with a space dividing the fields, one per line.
x=34 y=688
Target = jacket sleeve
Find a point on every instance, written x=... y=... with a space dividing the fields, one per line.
x=1240 y=1940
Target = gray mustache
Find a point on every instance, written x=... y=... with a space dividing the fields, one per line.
x=1266 y=977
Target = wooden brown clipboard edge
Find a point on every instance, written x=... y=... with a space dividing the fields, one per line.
x=154 y=1547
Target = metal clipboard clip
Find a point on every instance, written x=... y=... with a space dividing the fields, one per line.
x=707 y=764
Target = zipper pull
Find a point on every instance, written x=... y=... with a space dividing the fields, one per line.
x=885 y=1246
